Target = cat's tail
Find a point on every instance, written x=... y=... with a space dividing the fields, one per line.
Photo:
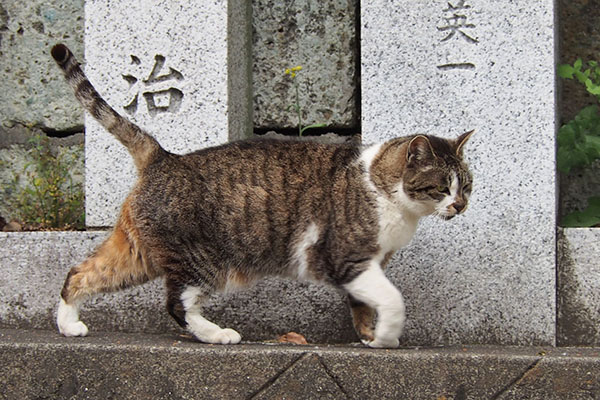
x=142 y=147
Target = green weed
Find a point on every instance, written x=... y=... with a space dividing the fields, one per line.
x=293 y=72
x=579 y=139
x=44 y=194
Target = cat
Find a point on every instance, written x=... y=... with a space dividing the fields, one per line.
x=225 y=216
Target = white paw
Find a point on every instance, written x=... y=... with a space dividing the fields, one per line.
x=382 y=343
x=73 y=329
x=67 y=319
x=225 y=336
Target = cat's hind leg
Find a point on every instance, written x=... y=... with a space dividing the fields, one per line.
x=118 y=263
x=184 y=303
x=372 y=288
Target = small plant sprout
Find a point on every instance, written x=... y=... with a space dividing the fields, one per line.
x=293 y=72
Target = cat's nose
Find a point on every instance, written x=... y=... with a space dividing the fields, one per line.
x=459 y=207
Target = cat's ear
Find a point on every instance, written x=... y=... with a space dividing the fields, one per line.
x=461 y=141
x=419 y=149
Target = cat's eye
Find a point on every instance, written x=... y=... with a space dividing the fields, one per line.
x=443 y=189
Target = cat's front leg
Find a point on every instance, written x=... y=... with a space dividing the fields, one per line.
x=363 y=319
x=374 y=289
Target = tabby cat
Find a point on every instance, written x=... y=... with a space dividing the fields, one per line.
x=226 y=216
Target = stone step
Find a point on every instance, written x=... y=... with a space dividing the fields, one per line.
x=33 y=266
x=115 y=365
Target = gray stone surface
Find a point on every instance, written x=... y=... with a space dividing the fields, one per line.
x=33 y=89
x=38 y=364
x=239 y=69
x=116 y=366
x=319 y=36
x=487 y=276
x=430 y=373
x=558 y=378
x=578 y=294
x=307 y=379
x=183 y=103
x=33 y=267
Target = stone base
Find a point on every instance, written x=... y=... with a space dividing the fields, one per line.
x=38 y=364
x=578 y=301
x=33 y=266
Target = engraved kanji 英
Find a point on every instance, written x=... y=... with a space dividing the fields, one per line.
x=457 y=26
x=456 y=22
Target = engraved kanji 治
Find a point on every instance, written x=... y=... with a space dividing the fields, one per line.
x=158 y=90
x=456 y=22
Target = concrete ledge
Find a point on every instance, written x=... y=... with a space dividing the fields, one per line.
x=39 y=364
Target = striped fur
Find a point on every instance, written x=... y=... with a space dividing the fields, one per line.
x=221 y=218
x=142 y=147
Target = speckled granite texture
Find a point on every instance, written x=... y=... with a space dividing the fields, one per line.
x=578 y=287
x=34 y=265
x=444 y=68
x=164 y=65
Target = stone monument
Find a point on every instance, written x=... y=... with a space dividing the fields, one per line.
x=166 y=66
x=445 y=67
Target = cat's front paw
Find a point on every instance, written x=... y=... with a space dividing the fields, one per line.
x=73 y=329
x=379 y=343
x=226 y=336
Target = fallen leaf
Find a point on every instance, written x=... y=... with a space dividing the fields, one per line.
x=12 y=226
x=292 y=337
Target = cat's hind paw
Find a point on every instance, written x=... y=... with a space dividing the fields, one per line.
x=226 y=336
x=382 y=343
x=67 y=320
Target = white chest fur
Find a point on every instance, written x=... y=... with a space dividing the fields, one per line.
x=398 y=216
x=396 y=226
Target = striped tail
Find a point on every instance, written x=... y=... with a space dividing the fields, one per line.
x=142 y=147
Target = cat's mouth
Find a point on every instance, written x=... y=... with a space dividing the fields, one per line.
x=446 y=214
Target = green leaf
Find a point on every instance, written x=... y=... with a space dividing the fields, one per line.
x=588 y=217
x=312 y=126
x=565 y=71
x=581 y=77
x=592 y=87
x=579 y=140
x=578 y=63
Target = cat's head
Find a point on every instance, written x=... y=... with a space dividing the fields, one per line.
x=425 y=174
